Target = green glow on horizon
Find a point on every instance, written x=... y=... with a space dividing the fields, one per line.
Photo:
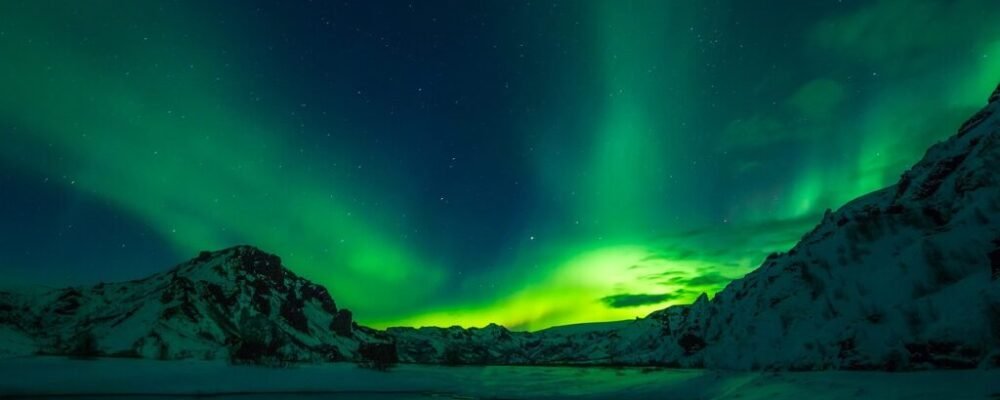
x=573 y=289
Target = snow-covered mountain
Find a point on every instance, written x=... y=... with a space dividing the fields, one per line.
x=907 y=277
x=239 y=303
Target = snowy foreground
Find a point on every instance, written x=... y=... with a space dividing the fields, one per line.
x=42 y=377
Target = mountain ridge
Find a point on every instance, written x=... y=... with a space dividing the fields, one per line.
x=239 y=303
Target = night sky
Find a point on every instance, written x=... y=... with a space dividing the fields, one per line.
x=460 y=162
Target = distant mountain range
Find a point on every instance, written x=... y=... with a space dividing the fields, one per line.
x=907 y=277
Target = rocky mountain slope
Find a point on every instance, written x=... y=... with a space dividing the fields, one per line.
x=907 y=277
x=240 y=304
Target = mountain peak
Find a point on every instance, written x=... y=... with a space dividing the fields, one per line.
x=244 y=255
x=259 y=274
x=242 y=263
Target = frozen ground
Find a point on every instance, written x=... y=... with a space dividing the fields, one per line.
x=125 y=379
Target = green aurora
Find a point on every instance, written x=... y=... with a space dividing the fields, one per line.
x=617 y=156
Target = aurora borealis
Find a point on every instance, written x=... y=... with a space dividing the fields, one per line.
x=438 y=163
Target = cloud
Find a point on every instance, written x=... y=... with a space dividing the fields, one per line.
x=626 y=300
x=707 y=279
x=706 y=260
x=710 y=278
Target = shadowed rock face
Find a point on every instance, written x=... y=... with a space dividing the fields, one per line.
x=343 y=323
x=995 y=260
x=257 y=264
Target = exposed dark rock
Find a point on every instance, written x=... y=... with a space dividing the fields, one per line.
x=320 y=294
x=260 y=264
x=970 y=181
x=83 y=345
x=342 y=323
x=203 y=256
x=330 y=353
x=291 y=311
x=186 y=309
x=843 y=220
x=976 y=119
x=851 y=360
x=935 y=215
x=219 y=297
x=937 y=176
x=452 y=355
x=943 y=355
x=691 y=343
x=905 y=181
x=261 y=299
x=995 y=260
x=68 y=303
x=258 y=343
x=179 y=288
x=378 y=356
x=124 y=317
